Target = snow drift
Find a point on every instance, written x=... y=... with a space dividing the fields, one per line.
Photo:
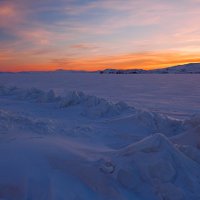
x=12 y=122
x=92 y=105
x=33 y=94
x=118 y=118
x=64 y=150
x=59 y=169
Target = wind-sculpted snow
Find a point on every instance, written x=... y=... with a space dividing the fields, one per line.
x=80 y=146
x=190 y=151
x=150 y=169
x=192 y=134
x=193 y=121
x=159 y=168
x=159 y=123
x=126 y=119
x=130 y=119
x=32 y=94
x=12 y=122
x=94 y=106
x=140 y=124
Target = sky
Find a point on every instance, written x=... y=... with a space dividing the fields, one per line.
x=98 y=34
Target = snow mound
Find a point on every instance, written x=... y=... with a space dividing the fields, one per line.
x=61 y=169
x=192 y=134
x=150 y=144
x=190 y=137
x=93 y=106
x=33 y=94
x=159 y=123
x=193 y=121
x=90 y=106
x=190 y=151
x=142 y=123
x=12 y=122
x=155 y=165
x=37 y=95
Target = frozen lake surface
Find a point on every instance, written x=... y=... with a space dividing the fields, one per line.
x=173 y=94
x=58 y=143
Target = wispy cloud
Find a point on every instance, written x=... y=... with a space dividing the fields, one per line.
x=84 y=46
x=98 y=33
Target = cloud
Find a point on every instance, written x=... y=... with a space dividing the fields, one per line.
x=7 y=11
x=83 y=46
x=98 y=33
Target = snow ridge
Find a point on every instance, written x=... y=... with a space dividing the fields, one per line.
x=93 y=106
x=156 y=167
x=10 y=122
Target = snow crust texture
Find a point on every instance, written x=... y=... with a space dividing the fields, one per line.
x=80 y=147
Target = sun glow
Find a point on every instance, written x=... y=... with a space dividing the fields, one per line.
x=67 y=35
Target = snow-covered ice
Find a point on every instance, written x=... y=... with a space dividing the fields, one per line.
x=171 y=94
x=89 y=136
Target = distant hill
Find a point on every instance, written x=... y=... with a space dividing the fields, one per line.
x=191 y=68
x=129 y=71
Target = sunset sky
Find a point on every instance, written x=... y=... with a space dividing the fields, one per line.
x=98 y=34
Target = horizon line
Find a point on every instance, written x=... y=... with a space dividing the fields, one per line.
x=79 y=70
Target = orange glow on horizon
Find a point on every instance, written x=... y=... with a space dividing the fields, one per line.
x=71 y=35
x=145 y=60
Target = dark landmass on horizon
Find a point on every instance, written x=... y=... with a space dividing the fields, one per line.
x=189 y=68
